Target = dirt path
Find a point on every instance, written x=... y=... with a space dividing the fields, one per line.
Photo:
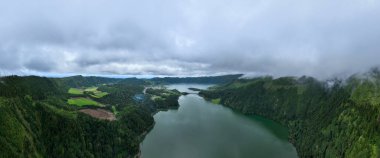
x=100 y=114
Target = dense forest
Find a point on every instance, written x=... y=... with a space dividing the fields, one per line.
x=334 y=118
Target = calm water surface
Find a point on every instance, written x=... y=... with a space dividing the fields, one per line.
x=200 y=129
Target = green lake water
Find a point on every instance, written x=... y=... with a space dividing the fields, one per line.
x=201 y=129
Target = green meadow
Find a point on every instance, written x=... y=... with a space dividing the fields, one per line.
x=93 y=92
x=215 y=101
x=83 y=102
x=75 y=91
x=98 y=94
x=91 y=89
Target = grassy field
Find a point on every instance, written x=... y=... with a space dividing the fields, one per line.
x=91 y=89
x=94 y=92
x=75 y=91
x=83 y=102
x=98 y=94
x=215 y=101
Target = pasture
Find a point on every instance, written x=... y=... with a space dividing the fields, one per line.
x=76 y=91
x=83 y=102
x=91 y=91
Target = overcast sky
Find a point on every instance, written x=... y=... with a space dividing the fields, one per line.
x=321 y=38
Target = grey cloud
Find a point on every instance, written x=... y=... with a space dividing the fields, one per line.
x=191 y=37
x=40 y=65
x=9 y=59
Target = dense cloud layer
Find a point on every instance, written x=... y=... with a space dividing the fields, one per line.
x=321 y=38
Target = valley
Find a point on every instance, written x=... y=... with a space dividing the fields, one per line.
x=202 y=129
x=105 y=117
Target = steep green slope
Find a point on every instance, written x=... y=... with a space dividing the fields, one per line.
x=36 y=87
x=325 y=119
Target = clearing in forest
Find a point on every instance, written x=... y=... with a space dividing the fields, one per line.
x=80 y=101
x=99 y=113
x=91 y=91
x=75 y=91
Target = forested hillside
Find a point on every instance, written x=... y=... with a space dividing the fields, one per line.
x=326 y=119
x=36 y=121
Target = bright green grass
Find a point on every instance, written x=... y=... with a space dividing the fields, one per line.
x=91 y=89
x=114 y=110
x=95 y=92
x=215 y=101
x=83 y=102
x=75 y=91
x=99 y=94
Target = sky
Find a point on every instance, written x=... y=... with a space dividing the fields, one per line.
x=320 y=38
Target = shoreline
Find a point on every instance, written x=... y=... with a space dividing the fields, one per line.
x=289 y=139
x=141 y=139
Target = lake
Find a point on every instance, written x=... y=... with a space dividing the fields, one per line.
x=201 y=129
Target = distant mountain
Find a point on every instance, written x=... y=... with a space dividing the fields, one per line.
x=200 y=80
x=81 y=81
